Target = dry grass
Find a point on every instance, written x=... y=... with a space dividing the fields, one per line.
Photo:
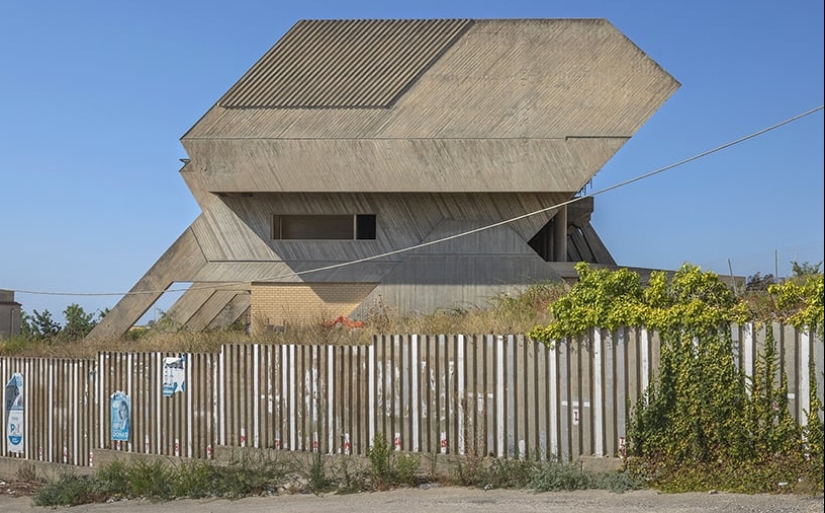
x=506 y=313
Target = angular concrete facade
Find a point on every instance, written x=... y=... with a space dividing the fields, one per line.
x=417 y=130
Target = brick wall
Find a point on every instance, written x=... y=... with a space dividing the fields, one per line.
x=276 y=304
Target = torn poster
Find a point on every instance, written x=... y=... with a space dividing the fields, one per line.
x=174 y=375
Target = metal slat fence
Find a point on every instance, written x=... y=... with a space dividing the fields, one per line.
x=503 y=395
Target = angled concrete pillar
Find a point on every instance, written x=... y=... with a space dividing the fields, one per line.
x=179 y=263
x=600 y=252
x=188 y=304
x=210 y=309
x=560 y=235
x=232 y=311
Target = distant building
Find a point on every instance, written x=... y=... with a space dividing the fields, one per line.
x=351 y=139
x=10 y=312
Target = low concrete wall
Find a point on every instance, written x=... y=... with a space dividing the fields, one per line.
x=433 y=467
x=10 y=469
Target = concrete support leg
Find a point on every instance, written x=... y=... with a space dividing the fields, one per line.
x=211 y=309
x=188 y=304
x=600 y=252
x=179 y=263
x=560 y=235
x=232 y=311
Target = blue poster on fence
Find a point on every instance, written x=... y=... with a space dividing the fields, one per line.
x=174 y=375
x=14 y=413
x=121 y=412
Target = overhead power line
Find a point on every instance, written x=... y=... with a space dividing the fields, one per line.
x=454 y=236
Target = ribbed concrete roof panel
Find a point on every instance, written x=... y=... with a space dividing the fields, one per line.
x=343 y=64
x=496 y=78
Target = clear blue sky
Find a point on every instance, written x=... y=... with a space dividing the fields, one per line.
x=96 y=95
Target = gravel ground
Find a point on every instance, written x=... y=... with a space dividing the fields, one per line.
x=460 y=500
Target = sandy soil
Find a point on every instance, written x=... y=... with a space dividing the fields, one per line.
x=460 y=500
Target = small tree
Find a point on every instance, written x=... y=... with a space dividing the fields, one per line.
x=78 y=322
x=803 y=269
x=39 y=325
x=759 y=283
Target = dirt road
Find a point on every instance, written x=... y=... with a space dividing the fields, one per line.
x=460 y=500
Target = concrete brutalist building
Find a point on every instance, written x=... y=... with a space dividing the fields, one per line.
x=351 y=141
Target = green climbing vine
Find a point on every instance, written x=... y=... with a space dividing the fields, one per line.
x=702 y=424
x=799 y=302
x=601 y=297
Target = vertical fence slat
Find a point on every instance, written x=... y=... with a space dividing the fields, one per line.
x=565 y=400
x=790 y=352
x=515 y=366
x=622 y=397
x=509 y=397
x=461 y=395
x=608 y=393
x=596 y=393
x=450 y=395
x=415 y=395
x=500 y=424
x=531 y=410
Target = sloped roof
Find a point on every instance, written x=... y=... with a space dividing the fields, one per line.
x=428 y=106
x=348 y=63
x=389 y=79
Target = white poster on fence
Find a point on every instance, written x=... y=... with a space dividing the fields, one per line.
x=14 y=414
x=174 y=375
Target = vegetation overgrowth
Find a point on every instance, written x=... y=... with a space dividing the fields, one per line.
x=702 y=424
x=504 y=313
x=285 y=473
x=797 y=301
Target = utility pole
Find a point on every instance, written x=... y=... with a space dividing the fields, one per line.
x=732 y=279
x=776 y=264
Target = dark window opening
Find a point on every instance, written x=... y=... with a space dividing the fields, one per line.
x=542 y=242
x=365 y=227
x=323 y=227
